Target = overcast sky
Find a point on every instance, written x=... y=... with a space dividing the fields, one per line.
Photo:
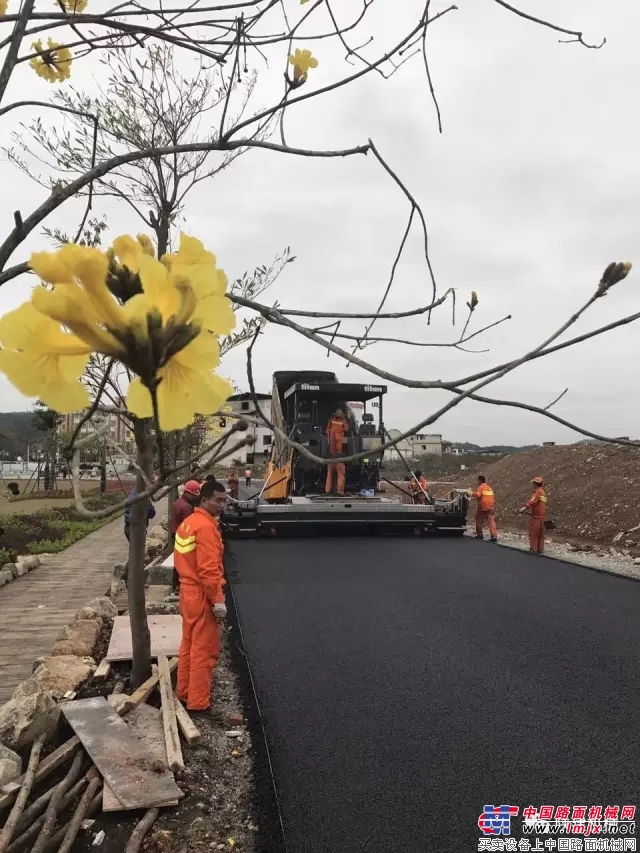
x=531 y=190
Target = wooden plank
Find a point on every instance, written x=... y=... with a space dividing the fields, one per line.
x=145 y=723
x=166 y=633
x=126 y=768
x=46 y=766
x=103 y=670
x=190 y=731
x=171 y=735
x=143 y=692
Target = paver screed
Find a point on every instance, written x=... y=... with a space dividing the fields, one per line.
x=34 y=607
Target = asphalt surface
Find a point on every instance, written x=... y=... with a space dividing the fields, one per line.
x=406 y=683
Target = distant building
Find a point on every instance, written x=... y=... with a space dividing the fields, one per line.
x=118 y=432
x=243 y=405
x=424 y=444
x=403 y=447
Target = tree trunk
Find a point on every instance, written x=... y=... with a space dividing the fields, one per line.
x=103 y=469
x=135 y=582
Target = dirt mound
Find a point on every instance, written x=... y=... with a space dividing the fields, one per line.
x=593 y=490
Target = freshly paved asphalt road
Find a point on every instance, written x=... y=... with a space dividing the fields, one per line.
x=405 y=683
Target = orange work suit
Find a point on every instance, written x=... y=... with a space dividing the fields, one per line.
x=336 y=431
x=538 y=506
x=418 y=487
x=485 y=511
x=339 y=470
x=197 y=558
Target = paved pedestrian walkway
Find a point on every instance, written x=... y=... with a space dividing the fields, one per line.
x=34 y=607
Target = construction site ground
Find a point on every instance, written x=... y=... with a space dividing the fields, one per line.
x=405 y=683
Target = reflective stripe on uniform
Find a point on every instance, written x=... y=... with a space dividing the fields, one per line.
x=185 y=545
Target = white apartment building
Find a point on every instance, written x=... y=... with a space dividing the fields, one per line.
x=423 y=444
x=258 y=452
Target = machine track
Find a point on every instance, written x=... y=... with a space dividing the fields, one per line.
x=405 y=683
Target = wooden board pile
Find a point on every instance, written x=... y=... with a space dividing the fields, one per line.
x=122 y=757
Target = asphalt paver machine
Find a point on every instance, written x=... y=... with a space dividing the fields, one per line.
x=293 y=499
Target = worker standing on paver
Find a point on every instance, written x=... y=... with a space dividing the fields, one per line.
x=485 y=509
x=337 y=429
x=537 y=505
x=418 y=487
x=197 y=558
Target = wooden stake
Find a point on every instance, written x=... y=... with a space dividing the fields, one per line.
x=48 y=765
x=88 y=805
x=32 y=831
x=171 y=736
x=25 y=790
x=190 y=731
x=144 y=691
x=138 y=834
x=56 y=801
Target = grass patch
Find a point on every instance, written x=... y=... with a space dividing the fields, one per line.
x=51 y=530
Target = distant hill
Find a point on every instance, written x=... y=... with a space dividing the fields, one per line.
x=469 y=447
x=16 y=431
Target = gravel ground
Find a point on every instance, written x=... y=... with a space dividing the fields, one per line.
x=580 y=553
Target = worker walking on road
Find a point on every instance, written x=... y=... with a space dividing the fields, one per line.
x=198 y=560
x=418 y=487
x=337 y=429
x=234 y=485
x=537 y=505
x=248 y=474
x=485 y=509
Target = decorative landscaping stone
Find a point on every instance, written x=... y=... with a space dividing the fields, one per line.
x=78 y=639
x=10 y=765
x=5 y=577
x=60 y=674
x=30 y=712
x=87 y=613
x=29 y=561
x=104 y=607
x=157 y=541
x=11 y=568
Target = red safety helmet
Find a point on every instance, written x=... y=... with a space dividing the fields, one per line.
x=192 y=487
x=538 y=481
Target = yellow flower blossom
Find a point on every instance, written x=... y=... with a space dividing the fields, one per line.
x=43 y=361
x=166 y=334
x=53 y=62
x=3 y=7
x=147 y=244
x=74 y=5
x=302 y=61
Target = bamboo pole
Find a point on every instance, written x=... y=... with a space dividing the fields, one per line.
x=91 y=798
x=138 y=834
x=55 y=803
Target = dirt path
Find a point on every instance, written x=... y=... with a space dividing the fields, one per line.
x=34 y=607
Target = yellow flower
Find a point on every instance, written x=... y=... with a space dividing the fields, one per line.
x=302 y=61
x=147 y=245
x=214 y=311
x=80 y=299
x=53 y=63
x=74 y=6
x=43 y=361
x=187 y=386
x=167 y=334
x=3 y=7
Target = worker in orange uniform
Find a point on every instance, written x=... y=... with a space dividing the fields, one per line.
x=197 y=558
x=537 y=504
x=485 y=509
x=418 y=487
x=337 y=429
